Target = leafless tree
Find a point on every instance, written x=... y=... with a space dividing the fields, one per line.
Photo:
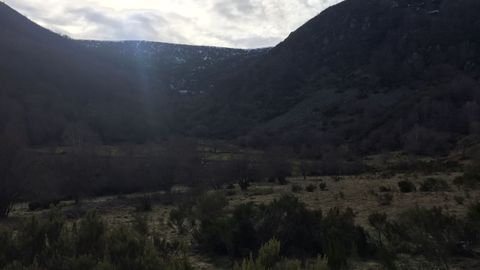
x=12 y=173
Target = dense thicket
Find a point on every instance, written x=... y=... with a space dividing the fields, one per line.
x=301 y=232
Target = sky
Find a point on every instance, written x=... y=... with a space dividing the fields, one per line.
x=226 y=23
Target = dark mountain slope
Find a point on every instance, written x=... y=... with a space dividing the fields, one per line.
x=56 y=83
x=115 y=91
x=365 y=72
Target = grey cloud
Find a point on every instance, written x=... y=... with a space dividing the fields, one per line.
x=234 y=23
x=93 y=15
x=129 y=25
x=238 y=9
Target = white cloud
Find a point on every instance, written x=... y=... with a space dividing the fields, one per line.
x=230 y=23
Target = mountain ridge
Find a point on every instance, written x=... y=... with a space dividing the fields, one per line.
x=367 y=49
x=414 y=63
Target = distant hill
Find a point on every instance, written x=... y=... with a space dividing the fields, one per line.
x=186 y=69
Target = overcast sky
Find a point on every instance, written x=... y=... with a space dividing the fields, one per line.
x=230 y=23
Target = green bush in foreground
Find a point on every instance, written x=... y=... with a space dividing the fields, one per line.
x=52 y=244
x=303 y=233
x=430 y=233
x=269 y=258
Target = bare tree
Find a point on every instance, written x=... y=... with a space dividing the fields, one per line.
x=81 y=169
x=12 y=175
x=245 y=171
x=79 y=134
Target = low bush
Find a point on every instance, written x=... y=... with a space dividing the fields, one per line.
x=296 y=188
x=261 y=191
x=269 y=258
x=140 y=224
x=428 y=232
x=42 y=205
x=323 y=186
x=472 y=226
x=385 y=199
x=384 y=189
x=459 y=200
x=210 y=205
x=179 y=218
x=470 y=179
x=143 y=204
x=310 y=188
x=406 y=186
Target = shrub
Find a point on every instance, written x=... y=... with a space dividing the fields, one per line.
x=244 y=185
x=473 y=223
x=140 y=224
x=268 y=257
x=303 y=233
x=262 y=191
x=310 y=188
x=282 y=180
x=429 y=232
x=321 y=263
x=178 y=218
x=231 y=193
x=385 y=199
x=144 y=204
x=337 y=178
x=323 y=186
x=288 y=220
x=459 y=200
x=214 y=236
x=124 y=247
x=7 y=247
x=434 y=185
x=407 y=186
x=384 y=189
x=296 y=188
x=248 y=264
x=269 y=254
x=470 y=179
x=210 y=205
x=42 y=205
x=378 y=221
x=91 y=235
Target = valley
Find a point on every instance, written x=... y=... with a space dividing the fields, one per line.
x=352 y=144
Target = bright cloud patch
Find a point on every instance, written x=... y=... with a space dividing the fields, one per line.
x=230 y=23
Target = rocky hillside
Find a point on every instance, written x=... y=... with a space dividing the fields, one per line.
x=372 y=74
